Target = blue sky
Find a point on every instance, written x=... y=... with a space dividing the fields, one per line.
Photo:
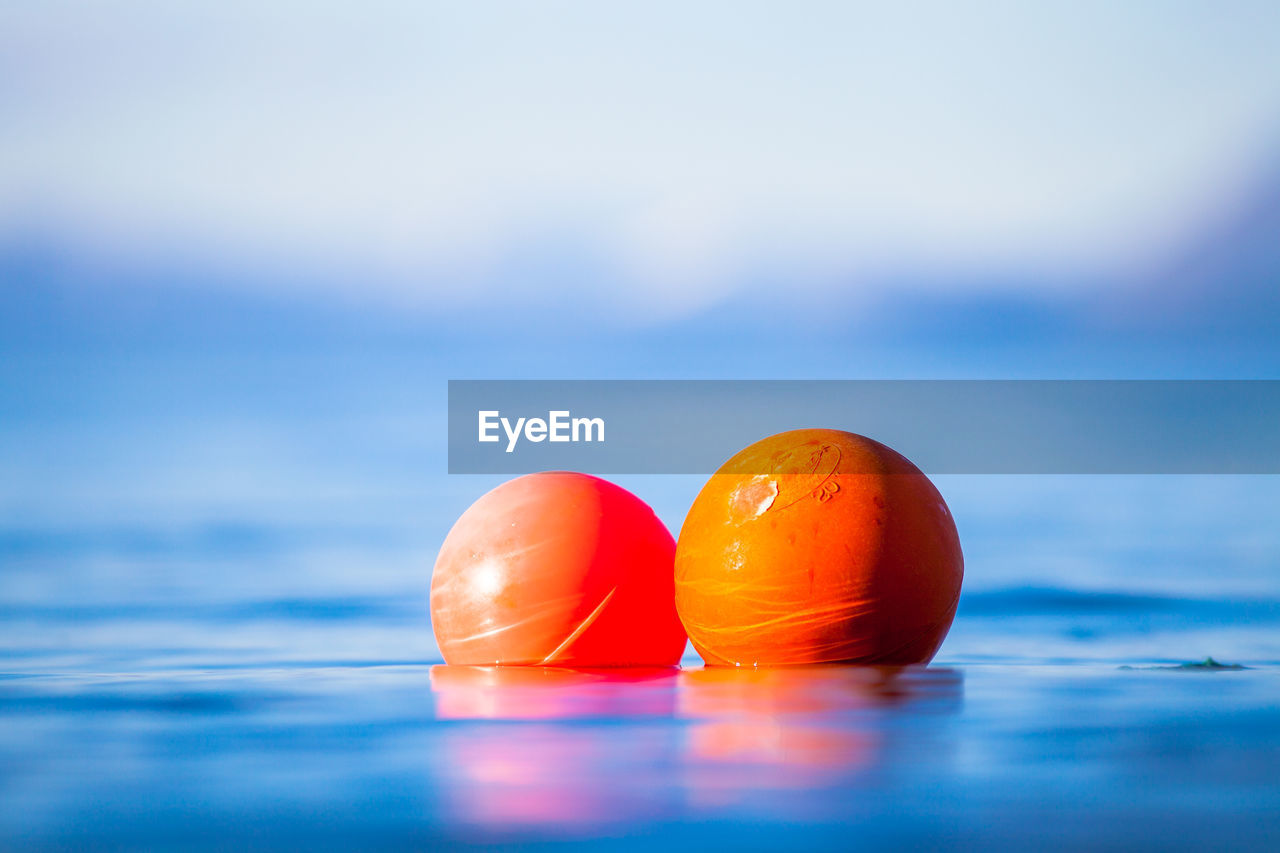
x=243 y=245
x=653 y=160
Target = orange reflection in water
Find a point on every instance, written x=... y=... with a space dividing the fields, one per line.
x=794 y=727
x=571 y=749
x=721 y=691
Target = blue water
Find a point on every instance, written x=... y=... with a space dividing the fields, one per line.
x=214 y=633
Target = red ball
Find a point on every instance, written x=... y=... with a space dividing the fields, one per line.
x=818 y=546
x=557 y=569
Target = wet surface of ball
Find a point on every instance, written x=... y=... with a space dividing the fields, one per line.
x=559 y=569
x=817 y=546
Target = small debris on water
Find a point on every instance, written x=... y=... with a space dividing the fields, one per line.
x=1206 y=664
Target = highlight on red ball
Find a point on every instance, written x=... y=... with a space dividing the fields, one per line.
x=557 y=568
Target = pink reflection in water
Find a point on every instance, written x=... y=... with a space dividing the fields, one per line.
x=547 y=692
x=539 y=747
x=561 y=777
x=538 y=760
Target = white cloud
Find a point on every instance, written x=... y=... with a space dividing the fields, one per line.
x=419 y=142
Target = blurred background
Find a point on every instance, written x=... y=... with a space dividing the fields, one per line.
x=243 y=246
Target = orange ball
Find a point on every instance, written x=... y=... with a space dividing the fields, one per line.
x=818 y=546
x=557 y=568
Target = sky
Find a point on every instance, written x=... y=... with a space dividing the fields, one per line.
x=652 y=159
x=244 y=245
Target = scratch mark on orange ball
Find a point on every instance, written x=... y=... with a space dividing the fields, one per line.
x=818 y=546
